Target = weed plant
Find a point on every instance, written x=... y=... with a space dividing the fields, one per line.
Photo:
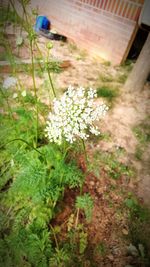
x=114 y=168
x=107 y=92
x=34 y=176
x=142 y=133
x=33 y=180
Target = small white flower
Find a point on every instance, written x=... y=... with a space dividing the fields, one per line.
x=24 y=93
x=94 y=130
x=15 y=95
x=73 y=116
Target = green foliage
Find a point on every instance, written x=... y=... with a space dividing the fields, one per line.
x=142 y=132
x=122 y=78
x=106 y=63
x=60 y=258
x=83 y=242
x=76 y=246
x=37 y=184
x=105 y=78
x=85 y=203
x=52 y=66
x=8 y=15
x=33 y=174
x=107 y=92
x=100 y=249
x=131 y=203
x=32 y=182
x=139 y=152
x=111 y=163
x=127 y=65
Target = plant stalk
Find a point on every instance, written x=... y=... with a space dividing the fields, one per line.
x=84 y=149
x=35 y=90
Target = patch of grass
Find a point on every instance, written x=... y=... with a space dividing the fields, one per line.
x=100 y=249
x=122 y=78
x=106 y=63
x=139 y=152
x=103 y=136
x=142 y=133
x=105 y=78
x=72 y=47
x=107 y=92
x=82 y=55
x=127 y=65
x=112 y=165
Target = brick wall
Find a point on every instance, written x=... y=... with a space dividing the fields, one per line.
x=103 y=27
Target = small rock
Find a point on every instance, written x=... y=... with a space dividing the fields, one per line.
x=132 y=250
x=92 y=183
x=110 y=257
x=9 y=82
x=125 y=231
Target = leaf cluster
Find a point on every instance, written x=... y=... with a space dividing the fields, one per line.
x=32 y=182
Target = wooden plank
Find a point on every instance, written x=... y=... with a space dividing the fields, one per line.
x=130 y=43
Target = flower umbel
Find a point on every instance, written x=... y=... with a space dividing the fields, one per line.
x=73 y=116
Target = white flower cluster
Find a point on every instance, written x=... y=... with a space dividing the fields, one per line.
x=73 y=116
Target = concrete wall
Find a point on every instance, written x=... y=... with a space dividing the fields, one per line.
x=103 y=27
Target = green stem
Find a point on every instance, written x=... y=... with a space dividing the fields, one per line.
x=9 y=108
x=24 y=141
x=84 y=149
x=19 y=18
x=49 y=75
x=51 y=82
x=35 y=90
x=12 y=63
x=54 y=236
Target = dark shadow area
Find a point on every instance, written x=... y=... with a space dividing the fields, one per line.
x=138 y=43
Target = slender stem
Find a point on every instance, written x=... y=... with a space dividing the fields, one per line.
x=77 y=218
x=50 y=80
x=84 y=149
x=24 y=141
x=54 y=236
x=35 y=90
x=9 y=107
x=19 y=18
x=49 y=74
x=12 y=63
